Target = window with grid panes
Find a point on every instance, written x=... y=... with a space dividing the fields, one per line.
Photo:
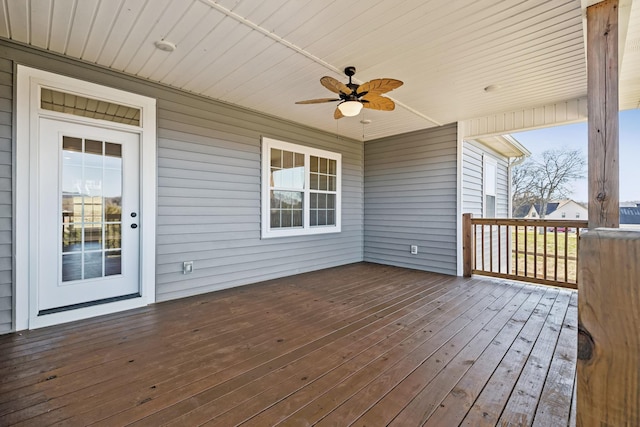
x=301 y=190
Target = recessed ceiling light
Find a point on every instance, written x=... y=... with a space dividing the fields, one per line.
x=492 y=88
x=365 y=121
x=165 y=45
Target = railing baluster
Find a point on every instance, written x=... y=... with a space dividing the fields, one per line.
x=517 y=249
x=566 y=255
x=535 y=251
x=526 y=250
x=475 y=246
x=555 y=253
x=482 y=236
x=499 y=250
x=544 y=261
x=577 y=251
x=491 y=248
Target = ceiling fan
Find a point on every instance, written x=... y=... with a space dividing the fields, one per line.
x=354 y=97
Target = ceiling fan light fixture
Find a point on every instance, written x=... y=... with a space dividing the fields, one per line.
x=350 y=108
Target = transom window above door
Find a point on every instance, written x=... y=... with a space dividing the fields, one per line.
x=62 y=102
x=301 y=189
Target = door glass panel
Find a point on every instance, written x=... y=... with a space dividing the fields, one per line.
x=71 y=237
x=91 y=208
x=113 y=240
x=112 y=263
x=92 y=237
x=92 y=265
x=71 y=267
x=93 y=147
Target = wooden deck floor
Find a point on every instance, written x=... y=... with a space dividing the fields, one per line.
x=362 y=344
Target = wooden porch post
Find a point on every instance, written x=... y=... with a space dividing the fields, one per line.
x=609 y=329
x=602 y=86
x=608 y=344
x=467 y=245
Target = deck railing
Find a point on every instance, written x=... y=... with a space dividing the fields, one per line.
x=532 y=250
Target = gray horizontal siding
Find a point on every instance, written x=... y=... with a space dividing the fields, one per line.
x=473 y=197
x=502 y=191
x=6 y=134
x=209 y=203
x=208 y=186
x=410 y=199
x=472 y=177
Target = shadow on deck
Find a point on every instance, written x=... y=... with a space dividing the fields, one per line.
x=363 y=343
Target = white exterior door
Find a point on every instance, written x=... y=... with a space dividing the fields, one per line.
x=87 y=215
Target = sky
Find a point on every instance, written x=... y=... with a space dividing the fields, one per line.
x=574 y=136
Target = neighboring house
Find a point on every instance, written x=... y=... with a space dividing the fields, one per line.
x=569 y=209
x=630 y=216
x=533 y=211
x=211 y=175
x=563 y=209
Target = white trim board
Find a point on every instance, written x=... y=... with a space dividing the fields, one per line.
x=28 y=84
x=560 y=113
x=459 y=197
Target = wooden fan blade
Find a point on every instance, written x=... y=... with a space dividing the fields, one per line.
x=334 y=85
x=337 y=114
x=318 y=101
x=376 y=102
x=379 y=86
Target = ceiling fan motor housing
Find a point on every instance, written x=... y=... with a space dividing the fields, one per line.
x=350 y=71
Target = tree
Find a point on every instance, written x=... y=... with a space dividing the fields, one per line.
x=538 y=180
x=522 y=188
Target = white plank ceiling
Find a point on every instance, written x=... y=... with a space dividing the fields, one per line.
x=265 y=55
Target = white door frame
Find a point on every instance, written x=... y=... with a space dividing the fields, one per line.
x=28 y=85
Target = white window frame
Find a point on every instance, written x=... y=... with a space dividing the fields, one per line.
x=306 y=229
x=486 y=189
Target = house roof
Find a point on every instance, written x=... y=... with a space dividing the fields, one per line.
x=506 y=145
x=524 y=210
x=630 y=215
x=551 y=207
x=497 y=66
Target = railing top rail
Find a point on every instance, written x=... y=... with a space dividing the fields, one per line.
x=531 y=222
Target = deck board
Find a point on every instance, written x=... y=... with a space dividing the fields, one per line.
x=473 y=362
x=434 y=352
x=525 y=397
x=362 y=344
